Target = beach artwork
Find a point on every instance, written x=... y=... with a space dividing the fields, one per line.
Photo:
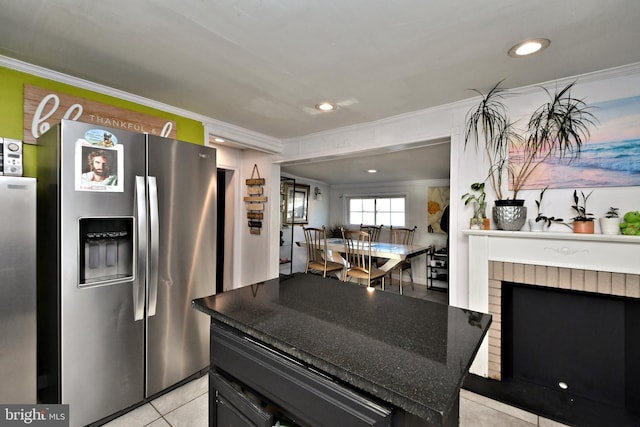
x=611 y=157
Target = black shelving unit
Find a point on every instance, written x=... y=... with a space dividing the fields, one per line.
x=438 y=269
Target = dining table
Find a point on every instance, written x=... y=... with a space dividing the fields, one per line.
x=392 y=253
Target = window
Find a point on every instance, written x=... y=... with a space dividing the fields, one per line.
x=377 y=211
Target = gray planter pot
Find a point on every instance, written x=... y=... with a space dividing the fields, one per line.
x=509 y=218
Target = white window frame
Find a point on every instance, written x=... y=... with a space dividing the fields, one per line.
x=349 y=198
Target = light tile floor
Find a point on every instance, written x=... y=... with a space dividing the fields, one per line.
x=185 y=406
x=188 y=405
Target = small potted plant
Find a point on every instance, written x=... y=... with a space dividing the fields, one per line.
x=542 y=222
x=610 y=223
x=584 y=221
x=478 y=197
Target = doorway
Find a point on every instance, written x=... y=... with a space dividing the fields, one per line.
x=224 y=231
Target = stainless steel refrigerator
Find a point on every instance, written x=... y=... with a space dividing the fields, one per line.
x=17 y=290
x=126 y=239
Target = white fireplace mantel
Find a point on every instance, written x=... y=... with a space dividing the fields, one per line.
x=598 y=252
x=615 y=253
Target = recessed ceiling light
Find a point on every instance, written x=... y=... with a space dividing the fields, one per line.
x=326 y=106
x=218 y=139
x=529 y=47
x=372 y=170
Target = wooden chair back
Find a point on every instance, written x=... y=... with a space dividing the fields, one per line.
x=373 y=230
x=402 y=235
x=316 y=242
x=357 y=248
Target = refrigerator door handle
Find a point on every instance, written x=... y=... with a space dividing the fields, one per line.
x=141 y=215
x=154 y=250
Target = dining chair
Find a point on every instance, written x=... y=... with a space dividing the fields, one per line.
x=373 y=230
x=403 y=236
x=357 y=249
x=316 y=240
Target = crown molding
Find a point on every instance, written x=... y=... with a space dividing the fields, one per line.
x=241 y=136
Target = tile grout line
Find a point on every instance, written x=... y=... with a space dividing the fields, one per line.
x=497 y=406
x=177 y=407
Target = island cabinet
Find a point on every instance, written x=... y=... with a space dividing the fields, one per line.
x=308 y=351
x=291 y=391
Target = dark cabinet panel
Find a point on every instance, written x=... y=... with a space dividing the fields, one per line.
x=309 y=397
x=231 y=408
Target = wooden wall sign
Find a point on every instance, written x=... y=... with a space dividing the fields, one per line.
x=44 y=108
x=255 y=201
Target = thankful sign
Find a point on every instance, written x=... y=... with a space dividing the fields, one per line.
x=44 y=108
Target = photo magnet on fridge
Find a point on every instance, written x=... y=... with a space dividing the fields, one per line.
x=99 y=160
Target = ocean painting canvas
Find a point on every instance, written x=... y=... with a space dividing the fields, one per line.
x=611 y=157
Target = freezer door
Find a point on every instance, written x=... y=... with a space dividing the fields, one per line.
x=17 y=290
x=177 y=335
x=101 y=344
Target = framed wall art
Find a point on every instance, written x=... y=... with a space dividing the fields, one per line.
x=610 y=158
x=296 y=203
x=437 y=200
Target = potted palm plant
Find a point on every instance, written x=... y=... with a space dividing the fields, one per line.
x=583 y=221
x=558 y=128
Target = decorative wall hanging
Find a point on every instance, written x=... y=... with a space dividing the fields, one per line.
x=44 y=108
x=255 y=201
x=437 y=200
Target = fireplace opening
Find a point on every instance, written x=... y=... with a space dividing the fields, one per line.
x=580 y=346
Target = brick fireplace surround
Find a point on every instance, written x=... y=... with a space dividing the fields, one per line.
x=593 y=281
x=593 y=263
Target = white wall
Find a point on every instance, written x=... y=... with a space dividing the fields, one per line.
x=248 y=257
x=467 y=166
x=259 y=259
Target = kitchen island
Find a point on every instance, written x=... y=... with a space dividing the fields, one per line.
x=314 y=351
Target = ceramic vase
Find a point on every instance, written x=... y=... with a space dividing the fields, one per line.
x=610 y=225
x=537 y=225
x=583 y=227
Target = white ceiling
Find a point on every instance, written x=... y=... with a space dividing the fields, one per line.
x=263 y=64
x=429 y=160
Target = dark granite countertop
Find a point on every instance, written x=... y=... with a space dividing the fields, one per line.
x=411 y=353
